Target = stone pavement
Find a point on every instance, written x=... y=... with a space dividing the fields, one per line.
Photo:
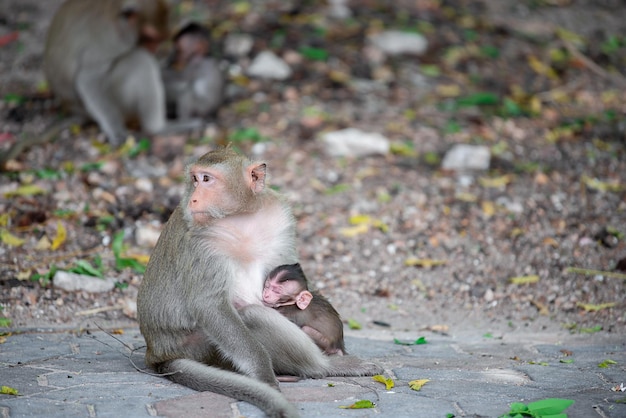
x=61 y=374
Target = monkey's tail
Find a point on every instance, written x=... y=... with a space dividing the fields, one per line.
x=201 y=377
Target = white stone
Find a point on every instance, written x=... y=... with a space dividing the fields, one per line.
x=467 y=157
x=268 y=65
x=352 y=142
x=72 y=282
x=339 y=9
x=394 y=42
x=147 y=236
x=238 y=44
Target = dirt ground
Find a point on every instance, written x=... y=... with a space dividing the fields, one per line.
x=553 y=199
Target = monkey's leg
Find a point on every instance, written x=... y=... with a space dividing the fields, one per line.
x=205 y=378
x=291 y=350
x=138 y=89
x=92 y=85
x=294 y=353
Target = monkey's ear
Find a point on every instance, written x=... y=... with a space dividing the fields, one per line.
x=256 y=177
x=303 y=299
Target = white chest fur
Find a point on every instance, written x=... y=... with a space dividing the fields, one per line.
x=255 y=244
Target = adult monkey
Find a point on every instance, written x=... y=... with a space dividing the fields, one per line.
x=200 y=306
x=98 y=60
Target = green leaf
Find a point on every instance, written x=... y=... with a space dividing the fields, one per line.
x=550 y=406
x=122 y=263
x=6 y=390
x=353 y=324
x=5 y=322
x=91 y=166
x=116 y=245
x=48 y=174
x=606 y=363
x=363 y=404
x=84 y=267
x=143 y=145
x=315 y=54
x=419 y=341
x=478 y=99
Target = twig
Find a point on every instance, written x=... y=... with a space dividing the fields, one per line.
x=593 y=67
x=98 y=310
x=132 y=351
x=590 y=272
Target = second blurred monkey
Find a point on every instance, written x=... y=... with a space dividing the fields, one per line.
x=97 y=61
x=194 y=83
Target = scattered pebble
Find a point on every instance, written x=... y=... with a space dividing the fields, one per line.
x=355 y=143
x=238 y=44
x=72 y=282
x=395 y=42
x=268 y=65
x=463 y=157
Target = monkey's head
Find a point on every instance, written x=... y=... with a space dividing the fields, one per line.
x=220 y=184
x=148 y=18
x=287 y=285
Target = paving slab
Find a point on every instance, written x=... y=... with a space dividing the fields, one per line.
x=90 y=374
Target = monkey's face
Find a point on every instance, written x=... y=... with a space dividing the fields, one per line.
x=281 y=290
x=209 y=197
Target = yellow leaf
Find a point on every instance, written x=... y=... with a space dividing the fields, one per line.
x=601 y=186
x=535 y=105
x=423 y=262
x=488 y=208
x=5 y=390
x=541 y=68
x=4 y=219
x=589 y=307
x=495 y=182
x=360 y=220
x=387 y=381
x=524 y=279
x=515 y=232
x=466 y=197
x=354 y=231
x=142 y=258
x=403 y=150
x=450 y=90
x=60 y=237
x=417 y=384
x=27 y=190
x=10 y=239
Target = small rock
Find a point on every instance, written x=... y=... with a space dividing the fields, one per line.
x=395 y=42
x=355 y=143
x=144 y=185
x=72 y=282
x=147 y=236
x=339 y=9
x=268 y=65
x=238 y=44
x=466 y=157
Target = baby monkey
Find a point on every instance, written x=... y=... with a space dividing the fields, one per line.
x=194 y=83
x=286 y=290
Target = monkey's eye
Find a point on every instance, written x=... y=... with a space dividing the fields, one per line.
x=206 y=177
